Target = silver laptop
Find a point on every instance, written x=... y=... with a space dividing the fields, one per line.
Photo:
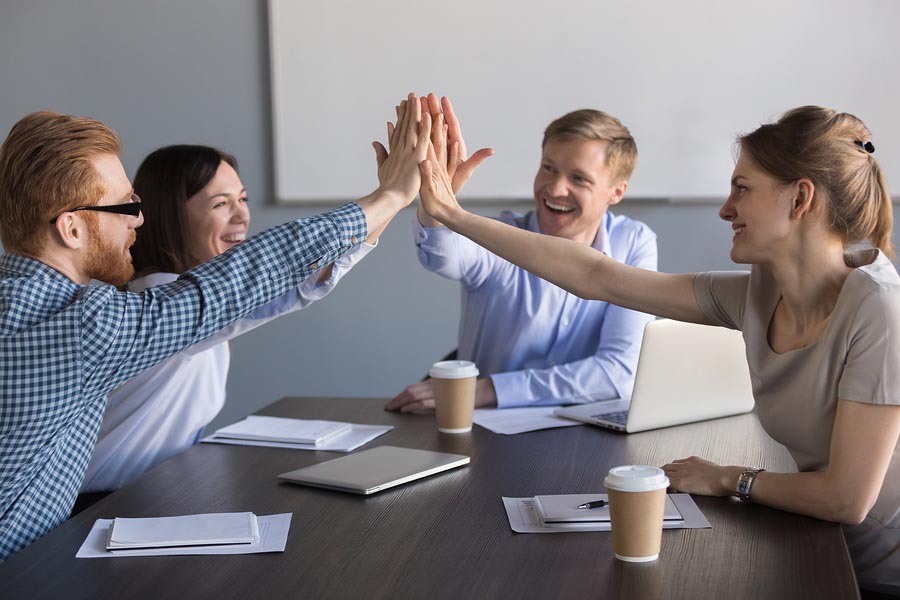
x=685 y=373
x=376 y=469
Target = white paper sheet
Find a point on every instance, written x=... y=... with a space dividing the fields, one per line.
x=522 y=518
x=509 y=421
x=348 y=442
x=273 y=532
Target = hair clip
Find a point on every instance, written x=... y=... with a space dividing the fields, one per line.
x=867 y=146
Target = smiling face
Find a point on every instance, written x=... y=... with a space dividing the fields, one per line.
x=217 y=216
x=572 y=188
x=759 y=210
x=110 y=235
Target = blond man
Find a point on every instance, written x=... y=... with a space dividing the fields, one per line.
x=534 y=343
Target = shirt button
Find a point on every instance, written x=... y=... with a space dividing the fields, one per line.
x=354 y=239
x=565 y=321
x=314 y=266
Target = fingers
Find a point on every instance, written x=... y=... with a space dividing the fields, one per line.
x=421 y=406
x=396 y=130
x=465 y=169
x=390 y=134
x=434 y=105
x=381 y=154
x=416 y=396
x=405 y=120
x=402 y=122
x=453 y=159
x=439 y=138
x=480 y=156
x=427 y=173
x=416 y=119
x=423 y=143
x=455 y=133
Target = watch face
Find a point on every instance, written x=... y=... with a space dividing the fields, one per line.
x=745 y=481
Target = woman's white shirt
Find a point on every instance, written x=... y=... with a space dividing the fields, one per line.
x=163 y=410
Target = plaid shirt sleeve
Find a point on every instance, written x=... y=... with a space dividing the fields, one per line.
x=64 y=347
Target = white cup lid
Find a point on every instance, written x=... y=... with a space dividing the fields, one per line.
x=636 y=478
x=453 y=369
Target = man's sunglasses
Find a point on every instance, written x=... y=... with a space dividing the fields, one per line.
x=132 y=208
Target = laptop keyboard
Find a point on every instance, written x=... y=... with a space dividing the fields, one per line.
x=619 y=417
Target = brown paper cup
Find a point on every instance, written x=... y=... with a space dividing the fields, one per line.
x=636 y=512
x=454 y=401
x=454 y=395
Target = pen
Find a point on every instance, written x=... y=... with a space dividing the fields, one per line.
x=594 y=504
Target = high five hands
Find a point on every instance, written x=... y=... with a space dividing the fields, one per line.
x=398 y=172
x=447 y=166
x=449 y=145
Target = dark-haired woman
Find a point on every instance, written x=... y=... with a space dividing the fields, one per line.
x=195 y=207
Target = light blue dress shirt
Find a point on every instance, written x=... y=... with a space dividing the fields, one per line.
x=540 y=344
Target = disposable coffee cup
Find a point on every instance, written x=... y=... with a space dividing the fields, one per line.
x=454 y=394
x=637 y=501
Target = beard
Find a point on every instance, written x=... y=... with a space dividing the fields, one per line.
x=106 y=262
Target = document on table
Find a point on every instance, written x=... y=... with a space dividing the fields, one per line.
x=509 y=421
x=222 y=529
x=523 y=519
x=281 y=429
x=273 y=532
x=562 y=510
x=346 y=442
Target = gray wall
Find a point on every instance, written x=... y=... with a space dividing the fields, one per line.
x=196 y=71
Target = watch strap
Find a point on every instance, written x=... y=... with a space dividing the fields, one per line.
x=745 y=483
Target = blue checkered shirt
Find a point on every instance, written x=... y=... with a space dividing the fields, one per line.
x=64 y=347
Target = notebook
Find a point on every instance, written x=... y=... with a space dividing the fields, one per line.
x=281 y=429
x=563 y=509
x=188 y=530
x=375 y=470
x=686 y=373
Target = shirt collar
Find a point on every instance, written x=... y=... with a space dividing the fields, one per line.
x=601 y=242
x=25 y=266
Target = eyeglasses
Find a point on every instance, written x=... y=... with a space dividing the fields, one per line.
x=132 y=208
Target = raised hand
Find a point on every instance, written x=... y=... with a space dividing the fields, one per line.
x=436 y=191
x=408 y=140
x=451 y=148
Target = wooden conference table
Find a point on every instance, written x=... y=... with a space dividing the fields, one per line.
x=447 y=536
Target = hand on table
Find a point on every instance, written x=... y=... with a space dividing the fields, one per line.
x=695 y=475
x=420 y=396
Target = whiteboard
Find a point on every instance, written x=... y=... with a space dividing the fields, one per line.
x=684 y=76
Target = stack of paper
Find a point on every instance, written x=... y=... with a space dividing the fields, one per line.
x=302 y=434
x=214 y=529
x=277 y=429
x=224 y=533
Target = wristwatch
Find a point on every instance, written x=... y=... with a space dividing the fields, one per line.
x=745 y=483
